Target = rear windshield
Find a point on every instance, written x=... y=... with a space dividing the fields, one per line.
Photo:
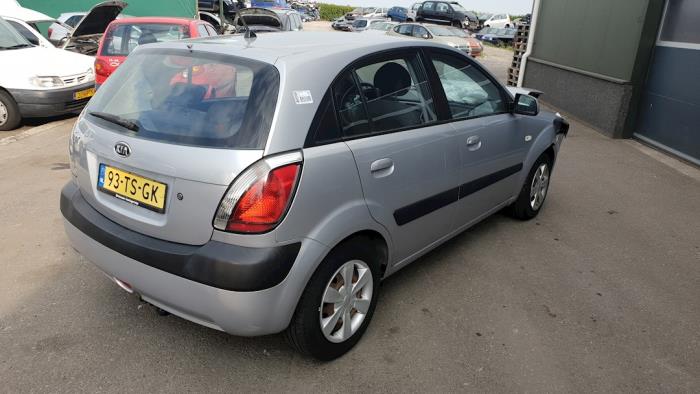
x=189 y=98
x=121 y=39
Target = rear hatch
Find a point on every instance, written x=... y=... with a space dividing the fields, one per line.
x=258 y=19
x=161 y=141
x=85 y=37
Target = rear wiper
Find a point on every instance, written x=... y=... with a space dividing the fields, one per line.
x=125 y=123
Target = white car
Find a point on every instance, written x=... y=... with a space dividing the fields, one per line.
x=499 y=21
x=59 y=31
x=411 y=13
x=376 y=13
x=37 y=81
x=26 y=21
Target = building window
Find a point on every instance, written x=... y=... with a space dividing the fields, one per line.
x=681 y=22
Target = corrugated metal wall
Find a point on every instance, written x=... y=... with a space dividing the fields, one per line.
x=181 y=8
x=597 y=36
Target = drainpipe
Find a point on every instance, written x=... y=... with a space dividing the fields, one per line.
x=530 y=42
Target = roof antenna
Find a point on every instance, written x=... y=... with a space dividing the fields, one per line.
x=249 y=35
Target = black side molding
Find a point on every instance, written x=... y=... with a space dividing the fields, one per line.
x=488 y=180
x=423 y=207
x=216 y=264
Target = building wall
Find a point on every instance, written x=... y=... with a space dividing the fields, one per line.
x=181 y=8
x=590 y=58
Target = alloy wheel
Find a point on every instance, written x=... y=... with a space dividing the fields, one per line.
x=346 y=301
x=539 y=186
x=3 y=113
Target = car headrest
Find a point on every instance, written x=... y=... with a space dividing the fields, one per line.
x=147 y=38
x=392 y=79
x=186 y=95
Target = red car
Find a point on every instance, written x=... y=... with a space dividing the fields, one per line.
x=124 y=35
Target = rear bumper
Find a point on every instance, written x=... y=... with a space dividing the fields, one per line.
x=170 y=275
x=54 y=102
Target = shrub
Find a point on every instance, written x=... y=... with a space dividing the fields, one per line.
x=329 y=12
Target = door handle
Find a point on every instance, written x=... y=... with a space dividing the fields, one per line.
x=382 y=167
x=473 y=143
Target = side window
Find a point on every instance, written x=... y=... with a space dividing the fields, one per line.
x=442 y=7
x=211 y=30
x=420 y=32
x=351 y=110
x=428 y=6
x=405 y=29
x=202 y=31
x=397 y=94
x=26 y=33
x=325 y=126
x=470 y=93
x=73 y=20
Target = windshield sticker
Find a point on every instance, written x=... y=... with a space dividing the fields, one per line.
x=303 y=97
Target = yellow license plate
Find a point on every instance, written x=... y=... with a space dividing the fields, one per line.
x=132 y=188
x=84 y=94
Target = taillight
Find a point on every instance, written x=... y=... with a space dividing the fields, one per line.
x=258 y=199
x=101 y=68
x=50 y=32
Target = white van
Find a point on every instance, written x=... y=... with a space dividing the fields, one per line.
x=26 y=22
x=37 y=81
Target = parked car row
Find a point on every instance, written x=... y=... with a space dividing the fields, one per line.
x=448 y=12
x=40 y=79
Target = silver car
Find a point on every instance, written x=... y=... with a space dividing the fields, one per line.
x=269 y=185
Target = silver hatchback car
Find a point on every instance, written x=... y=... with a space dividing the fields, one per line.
x=269 y=185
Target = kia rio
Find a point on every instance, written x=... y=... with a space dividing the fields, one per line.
x=265 y=186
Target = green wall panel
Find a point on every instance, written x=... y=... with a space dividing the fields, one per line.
x=181 y=8
x=599 y=36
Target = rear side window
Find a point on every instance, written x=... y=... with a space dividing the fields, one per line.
x=192 y=98
x=120 y=40
x=211 y=30
x=442 y=7
x=351 y=110
x=202 y=31
x=73 y=20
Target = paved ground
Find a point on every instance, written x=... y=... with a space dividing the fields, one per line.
x=601 y=293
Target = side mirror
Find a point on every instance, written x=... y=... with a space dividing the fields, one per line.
x=425 y=36
x=526 y=105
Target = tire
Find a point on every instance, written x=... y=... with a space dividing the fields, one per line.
x=524 y=208
x=305 y=333
x=9 y=112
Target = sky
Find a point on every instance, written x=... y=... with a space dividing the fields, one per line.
x=514 y=7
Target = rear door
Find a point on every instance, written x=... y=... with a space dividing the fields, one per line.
x=492 y=142
x=427 y=11
x=443 y=12
x=407 y=162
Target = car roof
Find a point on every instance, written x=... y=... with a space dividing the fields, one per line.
x=270 y=47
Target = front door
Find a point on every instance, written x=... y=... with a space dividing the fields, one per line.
x=407 y=162
x=491 y=143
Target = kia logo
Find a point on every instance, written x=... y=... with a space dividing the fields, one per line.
x=122 y=149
